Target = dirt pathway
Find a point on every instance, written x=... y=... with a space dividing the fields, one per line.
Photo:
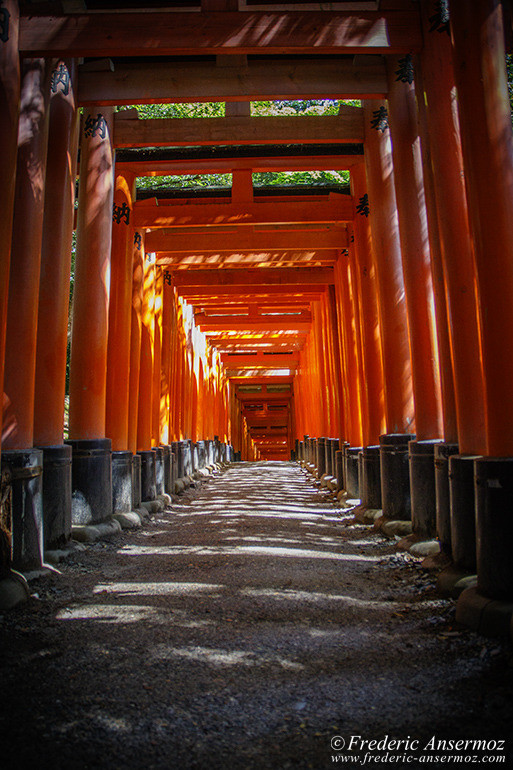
x=246 y=628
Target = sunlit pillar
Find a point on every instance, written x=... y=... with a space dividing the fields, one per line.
x=91 y=470
x=145 y=408
x=399 y=414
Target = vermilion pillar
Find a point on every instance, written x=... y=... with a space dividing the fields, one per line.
x=389 y=274
x=120 y=307
x=92 y=271
x=487 y=144
x=9 y=112
x=135 y=336
x=157 y=354
x=366 y=290
x=413 y=236
x=54 y=290
x=145 y=408
x=166 y=366
x=92 y=482
x=20 y=353
x=22 y=462
x=52 y=321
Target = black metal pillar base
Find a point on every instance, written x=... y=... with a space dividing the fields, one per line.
x=395 y=475
x=24 y=467
x=187 y=456
x=159 y=470
x=339 y=469
x=168 y=470
x=91 y=480
x=320 y=460
x=178 y=453
x=443 y=505
x=463 y=517
x=121 y=481
x=136 y=481
x=422 y=486
x=351 y=471
x=56 y=496
x=494 y=522
x=148 y=475
x=370 y=481
x=327 y=457
x=335 y=446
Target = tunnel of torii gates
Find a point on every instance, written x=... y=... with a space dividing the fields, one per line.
x=366 y=332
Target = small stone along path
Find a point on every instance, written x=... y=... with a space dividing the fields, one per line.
x=246 y=627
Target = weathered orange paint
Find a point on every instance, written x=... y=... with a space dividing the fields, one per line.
x=9 y=114
x=87 y=387
x=120 y=317
x=399 y=414
x=157 y=355
x=165 y=362
x=416 y=261
x=20 y=347
x=135 y=336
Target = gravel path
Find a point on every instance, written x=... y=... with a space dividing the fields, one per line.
x=244 y=628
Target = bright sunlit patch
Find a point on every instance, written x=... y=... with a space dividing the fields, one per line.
x=220 y=657
x=156 y=589
x=316 y=597
x=119 y=613
x=293 y=553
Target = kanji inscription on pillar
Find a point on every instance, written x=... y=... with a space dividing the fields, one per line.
x=380 y=119
x=4 y=24
x=60 y=77
x=167 y=277
x=138 y=241
x=406 y=73
x=95 y=126
x=121 y=212
x=363 y=206
x=440 y=19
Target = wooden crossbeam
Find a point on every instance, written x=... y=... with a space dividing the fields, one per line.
x=204 y=295
x=260 y=360
x=335 y=208
x=284 y=323
x=189 y=33
x=314 y=162
x=310 y=129
x=263 y=397
x=261 y=380
x=213 y=261
x=223 y=321
x=161 y=82
x=255 y=308
x=274 y=279
x=244 y=239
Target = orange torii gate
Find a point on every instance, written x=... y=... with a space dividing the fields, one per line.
x=388 y=306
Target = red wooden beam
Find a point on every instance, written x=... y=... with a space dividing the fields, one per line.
x=276 y=280
x=243 y=239
x=188 y=33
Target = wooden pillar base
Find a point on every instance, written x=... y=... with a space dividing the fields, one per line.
x=463 y=525
x=422 y=487
x=395 y=476
x=494 y=522
x=56 y=496
x=121 y=481
x=369 y=481
x=148 y=475
x=25 y=467
x=443 y=504
x=91 y=480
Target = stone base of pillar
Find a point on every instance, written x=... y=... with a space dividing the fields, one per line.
x=148 y=475
x=494 y=523
x=443 y=506
x=56 y=496
x=339 y=469
x=91 y=480
x=136 y=482
x=187 y=456
x=24 y=467
x=351 y=471
x=462 y=500
x=422 y=486
x=489 y=617
x=370 y=480
x=395 y=475
x=14 y=590
x=121 y=482
x=320 y=459
x=159 y=470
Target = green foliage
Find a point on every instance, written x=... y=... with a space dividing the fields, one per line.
x=293 y=178
x=192 y=110
x=301 y=107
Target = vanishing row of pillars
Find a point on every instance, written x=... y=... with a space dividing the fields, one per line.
x=424 y=304
x=144 y=389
